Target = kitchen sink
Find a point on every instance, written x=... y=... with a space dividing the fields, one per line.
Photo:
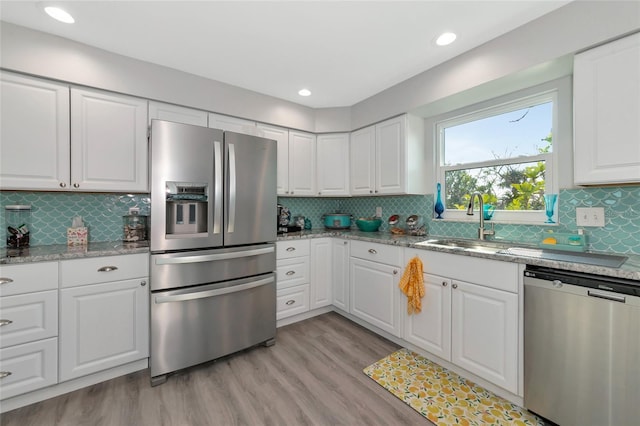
x=483 y=246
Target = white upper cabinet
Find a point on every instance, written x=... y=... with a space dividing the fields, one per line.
x=280 y=135
x=389 y=158
x=177 y=114
x=333 y=164
x=232 y=124
x=34 y=117
x=606 y=113
x=108 y=142
x=302 y=164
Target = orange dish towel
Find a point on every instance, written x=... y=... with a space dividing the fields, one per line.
x=412 y=285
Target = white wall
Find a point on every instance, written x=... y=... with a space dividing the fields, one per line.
x=538 y=44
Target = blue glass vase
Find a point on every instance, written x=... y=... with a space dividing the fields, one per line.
x=439 y=207
x=549 y=203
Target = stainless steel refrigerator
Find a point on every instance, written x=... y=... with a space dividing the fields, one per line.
x=213 y=200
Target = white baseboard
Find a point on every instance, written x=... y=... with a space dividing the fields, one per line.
x=72 y=385
x=304 y=316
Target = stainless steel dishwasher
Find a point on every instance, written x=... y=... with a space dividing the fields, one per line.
x=581 y=348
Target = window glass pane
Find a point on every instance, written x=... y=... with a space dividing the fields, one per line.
x=525 y=131
x=508 y=187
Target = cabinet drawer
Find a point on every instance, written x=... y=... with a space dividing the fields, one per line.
x=28 y=317
x=381 y=253
x=28 y=278
x=294 y=248
x=292 y=301
x=292 y=272
x=30 y=366
x=103 y=269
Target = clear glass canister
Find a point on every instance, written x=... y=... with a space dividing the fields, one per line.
x=135 y=228
x=18 y=222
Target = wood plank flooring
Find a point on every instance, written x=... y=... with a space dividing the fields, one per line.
x=311 y=376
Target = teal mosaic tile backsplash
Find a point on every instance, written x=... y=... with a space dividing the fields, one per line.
x=620 y=234
x=52 y=213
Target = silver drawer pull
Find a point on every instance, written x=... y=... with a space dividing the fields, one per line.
x=5 y=280
x=4 y=374
x=290 y=302
x=372 y=251
x=4 y=322
x=291 y=249
x=107 y=268
x=291 y=273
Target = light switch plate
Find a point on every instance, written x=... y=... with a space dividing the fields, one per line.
x=590 y=216
x=378 y=211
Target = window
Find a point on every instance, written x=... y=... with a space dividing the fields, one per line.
x=505 y=151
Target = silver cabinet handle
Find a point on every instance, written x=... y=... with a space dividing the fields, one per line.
x=370 y=191
x=4 y=374
x=290 y=249
x=4 y=322
x=454 y=285
x=76 y=185
x=395 y=272
x=63 y=185
x=5 y=280
x=372 y=251
x=213 y=257
x=143 y=283
x=212 y=293
x=291 y=273
x=107 y=268
x=444 y=283
x=290 y=302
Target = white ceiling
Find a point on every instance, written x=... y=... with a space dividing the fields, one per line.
x=343 y=51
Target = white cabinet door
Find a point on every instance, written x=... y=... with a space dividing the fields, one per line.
x=362 y=161
x=375 y=294
x=390 y=156
x=606 y=110
x=30 y=366
x=321 y=273
x=177 y=114
x=103 y=326
x=108 y=142
x=333 y=164
x=485 y=333
x=431 y=328
x=232 y=124
x=34 y=153
x=281 y=136
x=340 y=273
x=302 y=164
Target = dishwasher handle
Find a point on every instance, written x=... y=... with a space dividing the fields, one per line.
x=611 y=297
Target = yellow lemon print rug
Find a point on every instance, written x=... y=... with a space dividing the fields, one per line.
x=442 y=396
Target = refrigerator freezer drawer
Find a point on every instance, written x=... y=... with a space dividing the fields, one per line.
x=202 y=323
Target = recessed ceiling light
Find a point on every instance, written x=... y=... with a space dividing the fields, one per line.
x=59 y=14
x=304 y=92
x=445 y=38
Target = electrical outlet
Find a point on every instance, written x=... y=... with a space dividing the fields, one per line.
x=378 y=211
x=590 y=216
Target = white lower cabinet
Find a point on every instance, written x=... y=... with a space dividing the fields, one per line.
x=293 y=278
x=374 y=294
x=321 y=273
x=340 y=273
x=473 y=325
x=104 y=313
x=28 y=367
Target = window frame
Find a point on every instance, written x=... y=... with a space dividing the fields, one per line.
x=503 y=104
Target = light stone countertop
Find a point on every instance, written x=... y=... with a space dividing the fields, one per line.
x=629 y=270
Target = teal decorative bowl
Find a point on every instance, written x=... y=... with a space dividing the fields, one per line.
x=368 y=224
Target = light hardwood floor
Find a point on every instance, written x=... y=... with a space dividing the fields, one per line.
x=312 y=376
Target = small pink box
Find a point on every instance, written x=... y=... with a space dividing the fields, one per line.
x=77 y=236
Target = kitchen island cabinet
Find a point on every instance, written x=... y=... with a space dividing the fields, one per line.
x=104 y=313
x=606 y=110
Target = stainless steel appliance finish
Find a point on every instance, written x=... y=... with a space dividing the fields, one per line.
x=581 y=348
x=213 y=195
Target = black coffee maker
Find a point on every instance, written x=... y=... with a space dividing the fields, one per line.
x=283 y=221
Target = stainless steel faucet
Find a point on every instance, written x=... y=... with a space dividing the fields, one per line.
x=482 y=233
